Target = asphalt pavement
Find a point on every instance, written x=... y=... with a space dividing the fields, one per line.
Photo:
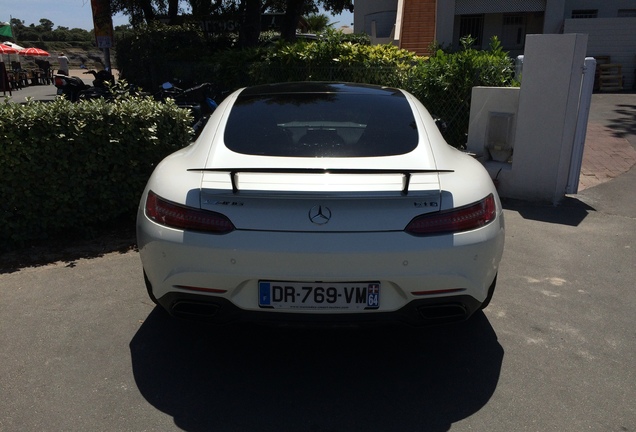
x=83 y=348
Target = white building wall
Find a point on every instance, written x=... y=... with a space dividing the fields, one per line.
x=378 y=14
x=614 y=37
x=445 y=16
x=554 y=15
x=364 y=8
x=606 y=8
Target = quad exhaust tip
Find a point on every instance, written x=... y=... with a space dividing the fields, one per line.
x=195 y=310
x=443 y=313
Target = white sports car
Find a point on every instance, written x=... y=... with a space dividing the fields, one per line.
x=323 y=202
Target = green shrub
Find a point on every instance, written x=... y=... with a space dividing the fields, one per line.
x=66 y=165
x=332 y=59
x=444 y=83
x=231 y=67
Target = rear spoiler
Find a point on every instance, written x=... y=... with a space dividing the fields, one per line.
x=406 y=173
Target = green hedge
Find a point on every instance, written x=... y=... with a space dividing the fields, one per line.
x=334 y=59
x=443 y=82
x=66 y=165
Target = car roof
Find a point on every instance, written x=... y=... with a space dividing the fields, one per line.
x=219 y=155
x=318 y=87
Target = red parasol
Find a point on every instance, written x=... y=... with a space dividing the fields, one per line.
x=6 y=49
x=34 y=52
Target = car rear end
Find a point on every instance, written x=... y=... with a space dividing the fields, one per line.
x=296 y=223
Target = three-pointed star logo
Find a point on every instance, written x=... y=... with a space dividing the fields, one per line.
x=319 y=214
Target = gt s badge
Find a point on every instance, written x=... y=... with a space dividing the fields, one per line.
x=226 y=203
x=419 y=204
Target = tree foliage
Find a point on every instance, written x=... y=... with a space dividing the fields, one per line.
x=45 y=31
x=318 y=23
x=248 y=12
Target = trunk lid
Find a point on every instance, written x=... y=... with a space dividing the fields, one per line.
x=312 y=200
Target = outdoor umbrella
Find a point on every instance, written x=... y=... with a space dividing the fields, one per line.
x=13 y=45
x=6 y=49
x=34 y=52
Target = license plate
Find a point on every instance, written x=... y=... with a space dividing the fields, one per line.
x=319 y=296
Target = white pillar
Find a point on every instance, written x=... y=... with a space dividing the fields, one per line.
x=547 y=115
x=581 y=125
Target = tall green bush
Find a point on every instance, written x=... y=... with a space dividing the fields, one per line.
x=444 y=83
x=333 y=58
x=75 y=165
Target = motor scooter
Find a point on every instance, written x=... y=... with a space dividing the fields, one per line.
x=74 y=88
x=101 y=86
x=68 y=86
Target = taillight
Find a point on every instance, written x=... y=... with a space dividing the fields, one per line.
x=187 y=218
x=59 y=81
x=456 y=220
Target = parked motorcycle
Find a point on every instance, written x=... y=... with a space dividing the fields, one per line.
x=201 y=100
x=68 y=86
x=101 y=85
x=75 y=89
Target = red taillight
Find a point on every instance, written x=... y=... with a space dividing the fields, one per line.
x=59 y=81
x=460 y=219
x=187 y=218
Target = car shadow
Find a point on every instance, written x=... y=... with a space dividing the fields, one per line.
x=256 y=378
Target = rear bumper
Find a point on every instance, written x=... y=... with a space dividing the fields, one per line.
x=218 y=310
x=414 y=272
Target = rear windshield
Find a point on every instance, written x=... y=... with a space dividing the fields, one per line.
x=321 y=125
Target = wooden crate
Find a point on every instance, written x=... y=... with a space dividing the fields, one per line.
x=600 y=60
x=610 y=77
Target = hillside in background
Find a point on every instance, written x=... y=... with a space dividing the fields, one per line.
x=80 y=53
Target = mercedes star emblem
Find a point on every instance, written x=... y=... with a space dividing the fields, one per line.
x=319 y=214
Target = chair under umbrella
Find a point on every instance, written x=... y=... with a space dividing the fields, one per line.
x=39 y=76
x=6 y=49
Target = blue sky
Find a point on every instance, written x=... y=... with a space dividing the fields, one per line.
x=77 y=13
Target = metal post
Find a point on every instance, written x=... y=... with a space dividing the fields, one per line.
x=107 y=60
x=518 y=68
x=585 y=100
